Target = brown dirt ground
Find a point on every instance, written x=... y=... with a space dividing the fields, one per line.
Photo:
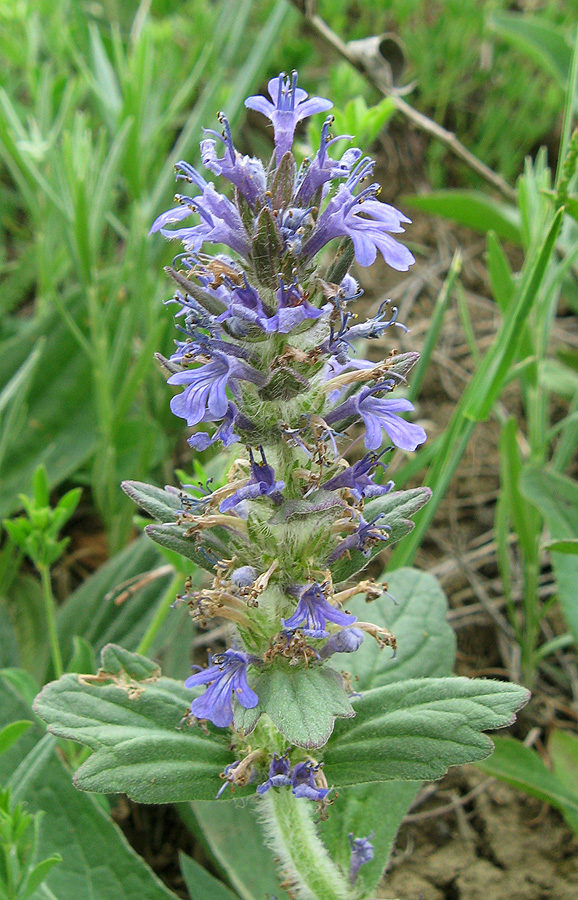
x=498 y=846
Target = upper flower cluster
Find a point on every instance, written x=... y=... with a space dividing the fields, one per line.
x=301 y=215
x=267 y=358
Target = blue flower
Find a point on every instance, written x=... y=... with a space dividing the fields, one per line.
x=377 y=326
x=201 y=439
x=226 y=678
x=279 y=774
x=380 y=414
x=262 y=483
x=366 y=221
x=314 y=611
x=303 y=782
x=323 y=168
x=346 y=640
x=364 y=538
x=246 y=310
x=220 y=223
x=293 y=308
x=205 y=396
x=245 y=172
x=290 y=105
x=356 y=478
x=361 y=853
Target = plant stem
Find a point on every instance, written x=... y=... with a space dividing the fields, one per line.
x=49 y=609
x=160 y=614
x=292 y=835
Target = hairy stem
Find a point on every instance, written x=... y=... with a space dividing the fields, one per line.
x=292 y=835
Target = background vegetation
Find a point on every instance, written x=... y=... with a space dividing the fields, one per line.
x=97 y=100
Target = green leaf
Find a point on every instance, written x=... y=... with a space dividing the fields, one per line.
x=173 y=538
x=201 y=885
x=556 y=496
x=425 y=647
x=564 y=546
x=527 y=524
x=83 y=660
x=21 y=682
x=39 y=874
x=133 y=729
x=425 y=642
x=559 y=378
x=96 y=858
x=123 y=666
x=524 y=769
x=544 y=42
x=493 y=371
x=40 y=488
x=470 y=208
x=59 y=424
x=563 y=751
x=11 y=733
x=159 y=503
x=92 y=613
x=233 y=836
x=395 y=509
x=415 y=730
x=361 y=809
x=301 y=702
x=9 y=655
x=501 y=277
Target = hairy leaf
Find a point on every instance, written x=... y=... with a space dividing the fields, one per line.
x=139 y=746
x=416 y=729
x=97 y=862
x=301 y=702
x=159 y=503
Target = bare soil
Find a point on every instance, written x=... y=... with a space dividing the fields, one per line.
x=499 y=846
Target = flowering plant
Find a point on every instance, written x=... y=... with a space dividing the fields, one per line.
x=267 y=360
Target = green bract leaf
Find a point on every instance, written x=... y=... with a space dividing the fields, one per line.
x=283 y=183
x=160 y=504
x=134 y=730
x=266 y=248
x=416 y=729
x=284 y=384
x=173 y=537
x=396 y=509
x=301 y=702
